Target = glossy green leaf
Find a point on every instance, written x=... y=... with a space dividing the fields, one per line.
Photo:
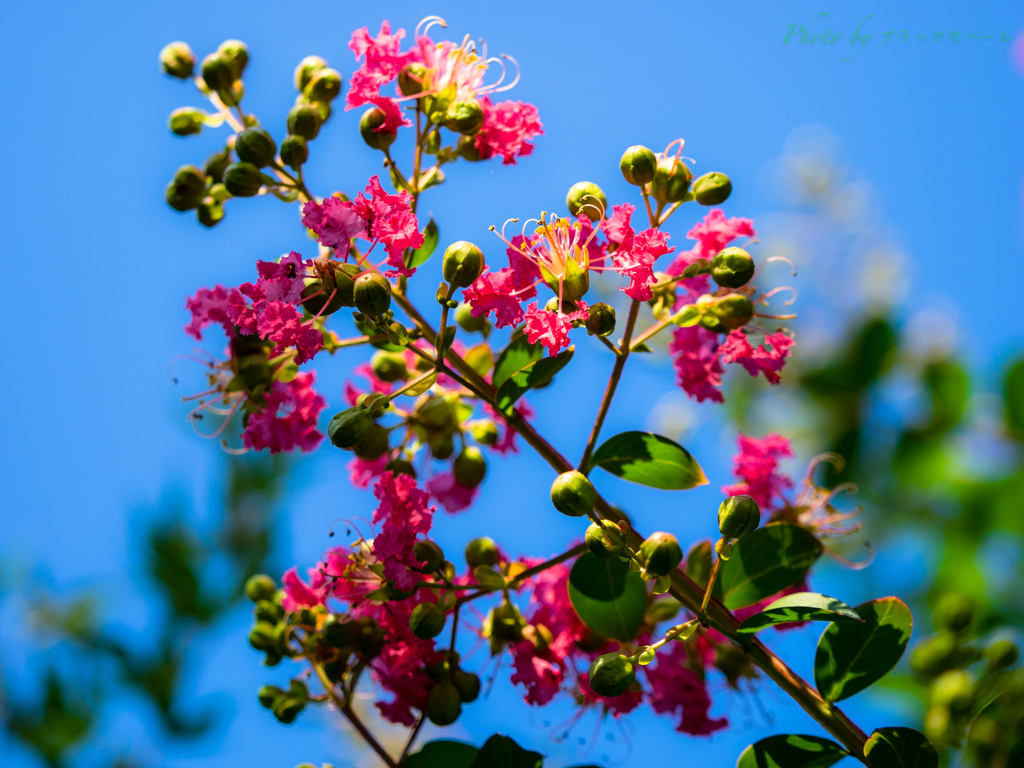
x=607 y=596
x=502 y=752
x=853 y=655
x=425 y=251
x=765 y=563
x=791 y=751
x=535 y=374
x=900 y=748
x=649 y=459
x=802 y=606
x=443 y=753
x=516 y=356
x=1013 y=394
x=489 y=578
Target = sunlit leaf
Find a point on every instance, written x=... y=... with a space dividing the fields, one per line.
x=649 y=459
x=764 y=563
x=425 y=251
x=791 y=751
x=802 y=606
x=900 y=748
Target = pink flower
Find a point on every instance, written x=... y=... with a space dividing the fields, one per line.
x=698 y=369
x=390 y=221
x=393 y=547
x=541 y=677
x=393 y=117
x=212 y=306
x=288 y=419
x=282 y=280
x=677 y=689
x=383 y=60
x=282 y=324
x=507 y=439
x=637 y=263
x=617 y=706
x=297 y=593
x=335 y=223
x=712 y=235
x=376 y=385
x=757 y=466
x=551 y=607
x=617 y=228
x=362 y=471
x=246 y=316
x=402 y=503
x=552 y=328
x=452 y=496
x=736 y=349
x=507 y=129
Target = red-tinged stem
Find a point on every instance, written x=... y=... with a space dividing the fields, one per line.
x=351 y=716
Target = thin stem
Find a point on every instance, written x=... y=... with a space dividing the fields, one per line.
x=411 y=384
x=444 y=322
x=711 y=584
x=647 y=202
x=608 y=344
x=579 y=549
x=346 y=710
x=672 y=209
x=355 y=341
x=652 y=331
x=412 y=738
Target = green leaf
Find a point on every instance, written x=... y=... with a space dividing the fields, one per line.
x=791 y=751
x=607 y=596
x=851 y=656
x=443 y=753
x=765 y=563
x=425 y=251
x=535 y=374
x=900 y=748
x=1013 y=394
x=502 y=752
x=649 y=459
x=802 y=606
x=515 y=357
x=489 y=578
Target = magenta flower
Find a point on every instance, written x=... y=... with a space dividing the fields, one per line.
x=297 y=593
x=507 y=130
x=282 y=324
x=712 y=235
x=335 y=223
x=694 y=353
x=736 y=349
x=288 y=419
x=210 y=306
x=362 y=471
x=552 y=328
x=393 y=547
x=449 y=494
x=401 y=502
x=382 y=60
x=541 y=677
x=757 y=466
x=677 y=689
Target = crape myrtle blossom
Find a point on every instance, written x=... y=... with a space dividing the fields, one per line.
x=757 y=466
x=288 y=418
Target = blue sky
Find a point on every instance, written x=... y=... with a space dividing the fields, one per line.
x=94 y=427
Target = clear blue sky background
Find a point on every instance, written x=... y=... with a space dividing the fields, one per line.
x=93 y=427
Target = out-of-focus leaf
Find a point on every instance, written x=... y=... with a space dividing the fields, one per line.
x=900 y=748
x=502 y=752
x=175 y=560
x=791 y=751
x=765 y=563
x=56 y=727
x=948 y=387
x=607 y=596
x=1013 y=395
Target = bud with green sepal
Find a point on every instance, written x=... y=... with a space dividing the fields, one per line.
x=482 y=551
x=485 y=432
x=467 y=684
x=426 y=621
x=712 y=188
x=587 y=198
x=738 y=516
x=186 y=121
x=401 y=467
x=469 y=322
x=371 y=120
x=428 y=553
x=260 y=587
x=410 y=79
x=268 y=695
x=611 y=675
x=469 y=467
x=732 y=311
x=604 y=539
x=236 y=52
x=269 y=612
x=1001 y=654
x=323 y=86
x=177 y=60
x=185 y=192
x=218 y=73
x=939 y=653
x=638 y=165
x=955 y=612
x=374 y=445
x=304 y=120
x=209 y=212
x=316 y=294
x=349 y=427
x=263 y=636
x=601 y=320
x=732 y=268
x=671 y=180
x=660 y=554
x=287 y=708
x=465 y=117
x=389 y=366
x=723 y=549
x=243 y=179
x=294 y=151
x=304 y=72
x=444 y=704
x=256 y=146
x=217 y=164
x=573 y=494
x=463 y=263
x=372 y=293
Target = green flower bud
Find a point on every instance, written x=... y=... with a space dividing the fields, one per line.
x=660 y=553
x=469 y=322
x=723 y=549
x=308 y=67
x=389 y=366
x=573 y=494
x=601 y=321
x=954 y=690
x=604 y=539
x=216 y=164
x=401 y=467
x=712 y=189
x=428 y=553
x=324 y=85
x=738 y=516
x=262 y=636
x=410 y=79
x=463 y=263
x=269 y=694
x=671 y=181
x=260 y=587
x=372 y=293
x=442 y=446
x=955 y=613
x=444 y=705
x=209 y=212
x=186 y=191
x=732 y=311
x=1001 y=654
x=611 y=675
x=178 y=60
x=470 y=466
x=426 y=621
x=732 y=268
x=467 y=684
x=935 y=655
x=587 y=198
x=218 y=72
x=304 y=120
x=485 y=432
x=269 y=611
x=371 y=120
x=374 y=445
x=236 y=52
x=370 y=641
x=185 y=121
x=256 y=146
x=349 y=427
x=468 y=150
x=482 y=551
x=316 y=304
x=294 y=151
x=242 y=179
x=338 y=633
x=567 y=307
x=288 y=708
x=465 y=117
x=638 y=165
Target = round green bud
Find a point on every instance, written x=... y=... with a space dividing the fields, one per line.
x=955 y=612
x=324 y=85
x=370 y=640
x=350 y=427
x=316 y=304
x=209 y=212
x=1001 y=654
x=724 y=549
x=467 y=684
x=304 y=120
x=738 y=516
x=186 y=121
x=671 y=180
x=260 y=587
x=732 y=311
x=712 y=188
x=177 y=60
x=567 y=307
x=428 y=553
x=243 y=179
x=463 y=263
x=216 y=164
x=256 y=146
x=611 y=675
x=185 y=192
x=573 y=494
x=465 y=117
x=269 y=611
x=732 y=268
x=442 y=446
x=485 y=432
x=237 y=53
x=401 y=467
x=444 y=705
x=288 y=708
x=426 y=621
x=374 y=445
x=660 y=553
x=469 y=322
x=935 y=655
x=953 y=689
x=308 y=67
x=338 y=633
x=482 y=551
x=587 y=198
x=410 y=79
x=601 y=321
x=372 y=293
x=371 y=120
x=470 y=466
x=262 y=636
x=604 y=539
x=294 y=151
x=268 y=694
x=218 y=72
x=638 y=165
x=389 y=366
x=468 y=151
